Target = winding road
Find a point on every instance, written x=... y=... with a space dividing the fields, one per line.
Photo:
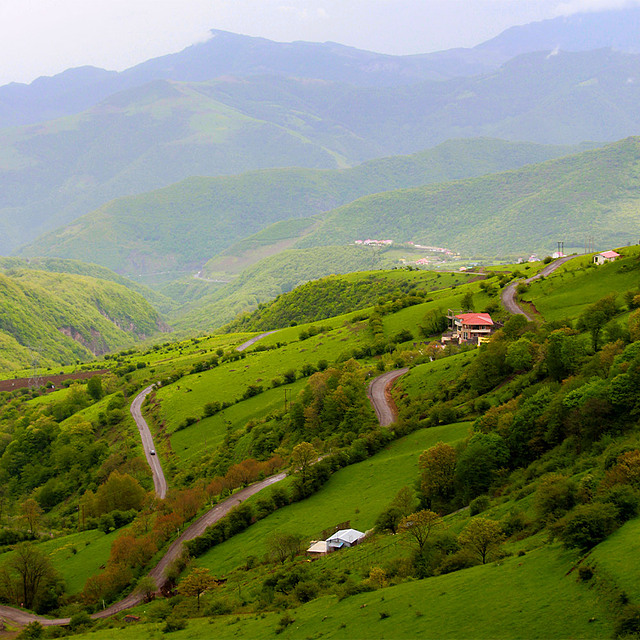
x=379 y=395
x=508 y=295
x=159 y=481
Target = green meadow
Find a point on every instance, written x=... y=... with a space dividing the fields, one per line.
x=357 y=493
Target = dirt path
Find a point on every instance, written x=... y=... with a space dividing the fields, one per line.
x=159 y=481
x=380 y=397
x=508 y=296
x=252 y=341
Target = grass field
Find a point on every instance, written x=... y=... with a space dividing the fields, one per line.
x=357 y=493
x=567 y=292
x=522 y=597
x=427 y=377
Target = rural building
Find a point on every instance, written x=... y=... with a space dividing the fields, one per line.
x=605 y=256
x=467 y=328
x=317 y=548
x=344 y=538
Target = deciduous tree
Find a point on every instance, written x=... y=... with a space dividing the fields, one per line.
x=418 y=526
x=196 y=583
x=482 y=537
x=302 y=457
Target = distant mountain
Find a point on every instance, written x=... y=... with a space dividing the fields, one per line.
x=615 y=29
x=593 y=194
x=66 y=317
x=182 y=226
x=148 y=137
x=227 y=53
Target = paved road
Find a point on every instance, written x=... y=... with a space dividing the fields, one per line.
x=248 y=343
x=380 y=397
x=508 y=295
x=159 y=481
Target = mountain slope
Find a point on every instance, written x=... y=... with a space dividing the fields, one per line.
x=182 y=226
x=595 y=193
x=67 y=317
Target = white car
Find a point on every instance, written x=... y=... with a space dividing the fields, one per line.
x=152 y=452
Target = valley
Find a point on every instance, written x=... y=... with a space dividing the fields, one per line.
x=306 y=341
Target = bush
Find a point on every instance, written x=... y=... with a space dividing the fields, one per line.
x=587 y=525
x=628 y=622
x=625 y=500
x=478 y=505
x=175 y=622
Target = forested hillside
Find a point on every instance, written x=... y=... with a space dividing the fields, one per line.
x=182 y=226
x=64 y=317
x=590 y=194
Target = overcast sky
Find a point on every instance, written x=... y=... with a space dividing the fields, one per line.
x=45 y=37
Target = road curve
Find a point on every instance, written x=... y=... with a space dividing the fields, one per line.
x=159 y=481
x=157 y=573
x=252 y=341
x=379 y=397
x=508 y=296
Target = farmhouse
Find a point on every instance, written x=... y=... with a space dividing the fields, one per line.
x=469 y=328
x=605 y=256
x=344 y=538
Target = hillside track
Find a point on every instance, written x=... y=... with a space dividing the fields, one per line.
x=508 y=295
x=379 y=394
x=159 y=481
x=252 y=341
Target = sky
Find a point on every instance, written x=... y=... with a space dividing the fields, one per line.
x=45 y=37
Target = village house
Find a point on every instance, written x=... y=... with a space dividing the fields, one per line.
x=605 y=256
x=468 y=328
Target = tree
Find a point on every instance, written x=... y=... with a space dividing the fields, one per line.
x=418 y=526
x=482 y=537
x=595 y=316
x=467 y=301
x=94 y=387
x=438 y=464
x=33 y=572
x=281 y=545
x=146 y=588
x=120 y=491
x=302 y=457
x=196 y=583
x=31 y=513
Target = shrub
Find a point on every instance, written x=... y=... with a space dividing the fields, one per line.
x=586 y=525
x=628 y=622
x=625 y=500
x=478 y=505
x=175 y=622
x=554 y=497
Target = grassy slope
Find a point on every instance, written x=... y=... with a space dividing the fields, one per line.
x=575 y=285
x=183 y=225
x=357 y=493
x=484 y=602
x=522 y=210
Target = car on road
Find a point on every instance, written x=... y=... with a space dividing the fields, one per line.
x=152 y=452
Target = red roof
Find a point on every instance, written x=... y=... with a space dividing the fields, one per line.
x=610 y=254
x=475 y=318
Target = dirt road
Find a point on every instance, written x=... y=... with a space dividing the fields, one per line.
x=380 y=396
x=252 y=341
x=159 y=481
x=508 y=295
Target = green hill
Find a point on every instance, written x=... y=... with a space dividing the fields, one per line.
x=66 y=317
x=594 y=194
x=180 y=227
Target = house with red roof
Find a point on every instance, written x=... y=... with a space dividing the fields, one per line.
x=605 y=256
x=469 y=328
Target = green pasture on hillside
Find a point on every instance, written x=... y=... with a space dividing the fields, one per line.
x=357 y=493
x=229 y=381
x=427 y=377
x=567 y=292
x=521 y=597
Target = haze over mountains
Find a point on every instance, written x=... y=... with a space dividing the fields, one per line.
x=166 y=165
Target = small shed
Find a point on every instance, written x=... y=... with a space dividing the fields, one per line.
x=605 y=256
x=344 y=538
x=318 y=548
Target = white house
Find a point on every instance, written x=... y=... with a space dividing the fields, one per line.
x=605 y=256
x=344 y=538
